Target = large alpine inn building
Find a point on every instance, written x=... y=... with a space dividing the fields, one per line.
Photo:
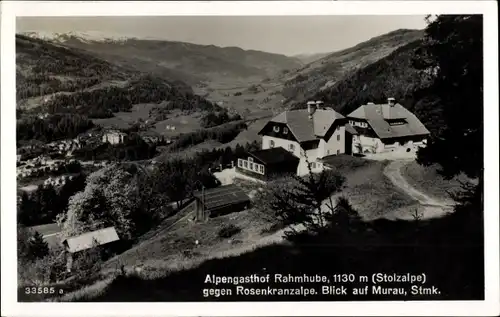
x=317 y=132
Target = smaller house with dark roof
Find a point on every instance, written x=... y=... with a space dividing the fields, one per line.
x=219 y=201
x=385 y=127
x=264 y=164
x=87 y=241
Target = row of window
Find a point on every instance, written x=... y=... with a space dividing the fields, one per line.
x=251 y=166
x=328 y=152
x=359 y=124
x=291 y=146
x=277 y=129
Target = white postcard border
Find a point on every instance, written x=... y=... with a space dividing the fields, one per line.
x=11 y=9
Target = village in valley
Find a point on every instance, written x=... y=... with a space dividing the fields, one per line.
x=133 y=174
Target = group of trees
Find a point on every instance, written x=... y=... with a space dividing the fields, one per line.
x=31 y=245
x=103 y=102
x=43 y=84
x=54 y=127
x=44 y=204
x=212 y=119
x=222 y=134
x=133 y=198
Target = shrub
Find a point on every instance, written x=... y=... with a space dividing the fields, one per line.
x=228 y=231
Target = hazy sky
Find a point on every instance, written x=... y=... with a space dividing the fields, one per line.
x=284 y=34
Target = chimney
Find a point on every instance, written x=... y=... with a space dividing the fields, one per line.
x=319 y=104
x=391 y=101
x=311 y=108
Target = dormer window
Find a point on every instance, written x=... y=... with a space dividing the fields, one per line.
x=285 y=130
x=276 y=129
x=250 y=159
x=291 y=147
x=271 y=143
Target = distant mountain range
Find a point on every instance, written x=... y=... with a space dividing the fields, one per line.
x=52 y=78
x=191 y=63
x=49 y=65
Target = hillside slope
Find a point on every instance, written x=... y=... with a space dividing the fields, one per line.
x=392 y=76
x=325 y=72
x=185 y=61
x=309 y=58
x=52 y=78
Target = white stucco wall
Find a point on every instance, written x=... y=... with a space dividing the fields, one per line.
x=368 y=143
x=303 y=169
x=280 y=142
x=333 y=145
x=375 y=143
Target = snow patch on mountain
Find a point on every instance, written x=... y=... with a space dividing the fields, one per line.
x=86 y=37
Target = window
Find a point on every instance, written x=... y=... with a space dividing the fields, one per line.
x=276 y=128
x=271 y=143
x=338 y=137
x=240 y=163
x=261 y=169
x=328 y=152
x=245 y=164
x=251 y=166
x=291 y=147
x=338 y=152
x=313 y=165
x=285 y=130
x=250 y=159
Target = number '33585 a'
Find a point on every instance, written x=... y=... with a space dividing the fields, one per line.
x=41 y=290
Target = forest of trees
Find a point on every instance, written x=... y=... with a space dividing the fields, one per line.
x=212 y=119
x=52 y=128
x=42 y=84
x=44 y=204
x=393 y=76
x=103 y=102
x=51 y=68
x=222 y=134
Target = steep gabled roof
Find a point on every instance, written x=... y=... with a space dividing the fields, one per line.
x=378 y=115
x=304 y=128
x=87 y=240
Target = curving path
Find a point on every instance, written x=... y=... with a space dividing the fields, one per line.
x=431 y=207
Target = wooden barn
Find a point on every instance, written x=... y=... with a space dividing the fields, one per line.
x=88 y=240
x=220 y=201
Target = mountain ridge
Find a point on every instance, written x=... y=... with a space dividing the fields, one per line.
x=192 y=63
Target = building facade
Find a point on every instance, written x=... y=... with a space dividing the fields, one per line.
x=114 y=137
x=309 y=134
x=385 y=127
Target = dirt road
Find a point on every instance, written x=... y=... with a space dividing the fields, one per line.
x=430 y=207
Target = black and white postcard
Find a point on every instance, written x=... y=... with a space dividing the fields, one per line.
x=250 y=158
